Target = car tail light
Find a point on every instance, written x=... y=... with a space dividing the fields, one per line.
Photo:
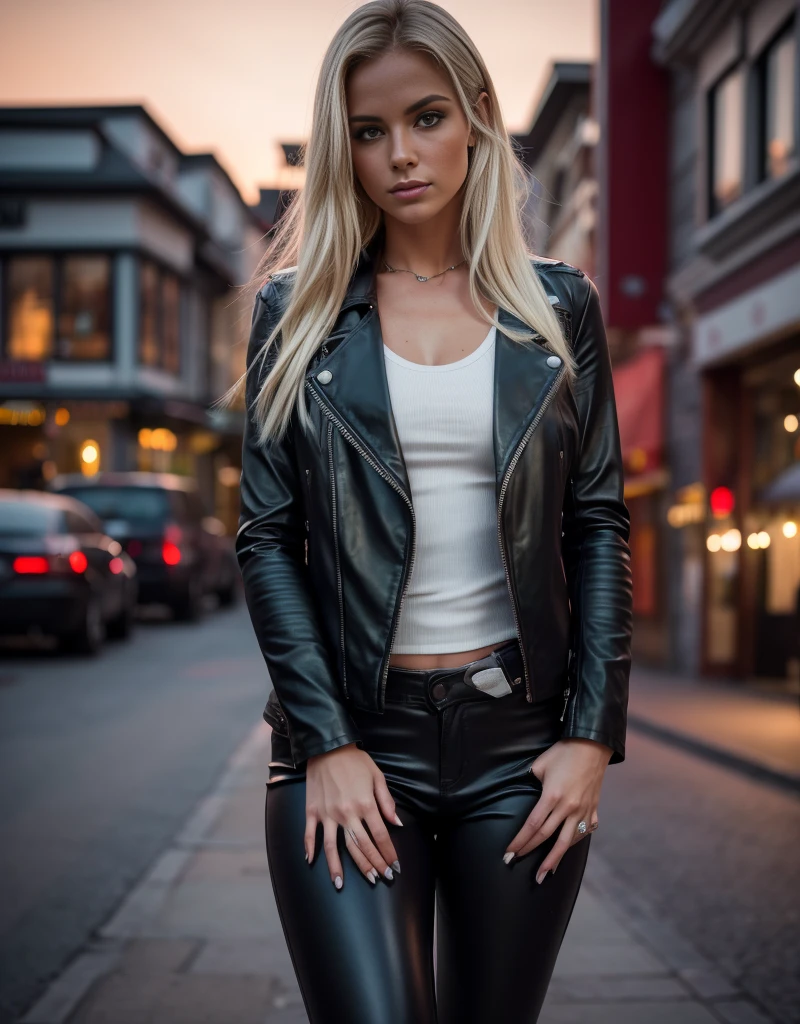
x=39 y=565
x=29 y=564
x=77 y=561
x=170 y=552
x=134 y=548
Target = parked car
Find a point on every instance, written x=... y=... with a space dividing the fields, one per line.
x=60 y=573
x=181 y=553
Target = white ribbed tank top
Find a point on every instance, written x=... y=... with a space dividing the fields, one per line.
x=457 y=597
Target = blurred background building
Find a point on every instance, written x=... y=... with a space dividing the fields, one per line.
x=121 y=316
x=669 y=173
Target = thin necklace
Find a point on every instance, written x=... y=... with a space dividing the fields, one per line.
x=419 y=277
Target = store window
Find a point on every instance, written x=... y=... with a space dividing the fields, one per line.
x=58 y=307
x=777 y=104
x=29 y=298
x=84 y=319
x=726 y=140
x=160 y=318
x=772 y=527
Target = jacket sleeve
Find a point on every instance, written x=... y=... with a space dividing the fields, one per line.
x=596 y=530
x=270 y=548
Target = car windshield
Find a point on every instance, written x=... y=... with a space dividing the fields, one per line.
x=131 y=503
x=28 y=519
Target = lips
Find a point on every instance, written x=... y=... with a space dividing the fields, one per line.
x=410 y=189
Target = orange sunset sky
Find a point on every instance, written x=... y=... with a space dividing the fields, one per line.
x=237 y=77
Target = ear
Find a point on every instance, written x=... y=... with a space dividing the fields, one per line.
x=482 y=111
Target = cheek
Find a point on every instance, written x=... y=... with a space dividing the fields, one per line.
x=447 y=158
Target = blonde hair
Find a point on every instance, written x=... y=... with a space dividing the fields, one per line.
x=331 y=218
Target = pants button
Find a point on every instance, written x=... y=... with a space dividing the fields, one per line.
x=438 y=691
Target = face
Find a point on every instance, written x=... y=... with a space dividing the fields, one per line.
x=406 y=125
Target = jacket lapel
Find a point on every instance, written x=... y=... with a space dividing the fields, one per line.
x=358 y=390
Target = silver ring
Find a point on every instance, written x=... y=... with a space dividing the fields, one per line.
x=581 y=827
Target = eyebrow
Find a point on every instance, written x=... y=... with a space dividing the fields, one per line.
x=409 y=110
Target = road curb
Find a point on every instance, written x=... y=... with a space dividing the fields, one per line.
x=61 y=998
x=762 y=771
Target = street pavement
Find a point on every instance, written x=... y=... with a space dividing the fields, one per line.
x=102 y=759
x=199 y=940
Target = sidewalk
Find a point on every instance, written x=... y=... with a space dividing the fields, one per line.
x=198 y=941
x=737 y=724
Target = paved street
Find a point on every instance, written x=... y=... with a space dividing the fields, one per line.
x=686 y=914
x=102 y=760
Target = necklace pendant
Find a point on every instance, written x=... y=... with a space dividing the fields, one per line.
x=420 y=278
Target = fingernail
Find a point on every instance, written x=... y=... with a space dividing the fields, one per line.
x=396 y=866
x=541 y=876
x=397 y=821
x=373 y=874
x=388 y=873
x=338 y=881
x=508 y=857
x=371 y=877
x=305 y=855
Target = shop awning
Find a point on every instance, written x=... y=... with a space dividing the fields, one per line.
x=639 y=392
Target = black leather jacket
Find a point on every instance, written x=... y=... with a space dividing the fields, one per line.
x=326 y=533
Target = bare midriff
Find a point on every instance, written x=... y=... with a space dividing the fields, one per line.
x=452 y=660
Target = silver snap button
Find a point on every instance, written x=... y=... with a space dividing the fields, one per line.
x=553 y=299
x=324 y=377
x=553 y=361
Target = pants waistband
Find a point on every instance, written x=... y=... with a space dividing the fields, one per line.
x=440 y=686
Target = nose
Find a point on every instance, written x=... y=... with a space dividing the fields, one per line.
x=402 y=154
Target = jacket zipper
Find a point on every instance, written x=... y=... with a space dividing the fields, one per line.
x=567 y=688
x=382 y=472
x=514 y=460
x=336 y=554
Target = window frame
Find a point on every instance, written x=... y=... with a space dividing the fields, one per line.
x=57 y=258
x=163 y=271
x=788 y=29
x=713 y=207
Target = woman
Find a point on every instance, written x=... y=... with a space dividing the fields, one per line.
x=433 y=542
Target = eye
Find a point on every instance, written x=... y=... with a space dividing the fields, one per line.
x=431 y=113
x=362 y=132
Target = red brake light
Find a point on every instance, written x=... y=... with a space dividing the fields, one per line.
x=78 y=561
x=31 y=564
x=170 y=552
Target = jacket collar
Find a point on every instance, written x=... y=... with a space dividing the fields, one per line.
x=358 y=391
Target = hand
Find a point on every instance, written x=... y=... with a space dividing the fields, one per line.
x=345 y=787
x=571 y=772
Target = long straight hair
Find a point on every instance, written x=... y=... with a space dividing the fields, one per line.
x=331 y=218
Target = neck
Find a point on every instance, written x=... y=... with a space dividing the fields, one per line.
x=424 y=248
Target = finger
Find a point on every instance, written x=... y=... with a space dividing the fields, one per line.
x=310 y=836
x=382 y=840
x=331 y=828
x=369 y=849
x=545 y=830
x=385 y=800
x=586 y=834
x=562 y=844
x=361 y=861
x=532 y=825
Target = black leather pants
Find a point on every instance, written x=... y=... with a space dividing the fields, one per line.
x=456 y=762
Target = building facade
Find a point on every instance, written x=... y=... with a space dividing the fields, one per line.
x=733 y=283
x=121 y=316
